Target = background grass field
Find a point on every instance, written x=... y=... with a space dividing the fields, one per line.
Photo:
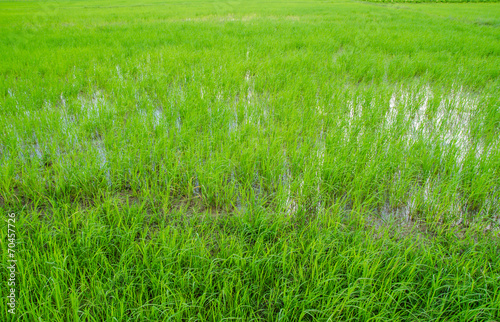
x=253 y=161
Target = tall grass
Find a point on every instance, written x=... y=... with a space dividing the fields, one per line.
x=307 y=161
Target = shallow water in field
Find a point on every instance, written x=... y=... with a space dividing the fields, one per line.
x=442 y=125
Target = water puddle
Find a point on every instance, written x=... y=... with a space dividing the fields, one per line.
x=103 y=161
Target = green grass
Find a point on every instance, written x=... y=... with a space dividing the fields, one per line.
x=253 y=161
x=433 y=1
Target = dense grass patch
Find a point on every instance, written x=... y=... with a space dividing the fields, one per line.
x=134 y=265
x=288 y=161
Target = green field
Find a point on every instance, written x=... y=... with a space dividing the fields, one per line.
x=250 y=161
